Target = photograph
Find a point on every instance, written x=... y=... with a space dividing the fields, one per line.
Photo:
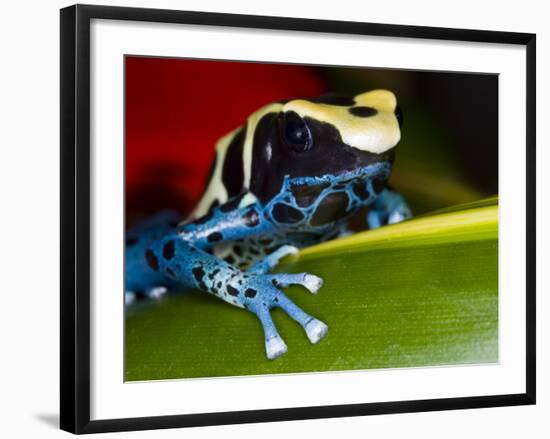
x=295 y=218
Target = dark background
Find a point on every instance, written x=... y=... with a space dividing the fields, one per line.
x=176 y=109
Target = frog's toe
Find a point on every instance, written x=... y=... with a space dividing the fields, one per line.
x=315 y=330
x=275 y=347
x=399 y=215
x=129 y=297
x=156 y=292
x=309 y=281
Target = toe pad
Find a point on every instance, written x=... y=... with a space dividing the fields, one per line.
x=316 y=330
x=275 y=347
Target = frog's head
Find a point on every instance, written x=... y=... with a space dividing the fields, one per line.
x=304 y=140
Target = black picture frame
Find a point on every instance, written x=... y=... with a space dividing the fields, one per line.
x=75 y=217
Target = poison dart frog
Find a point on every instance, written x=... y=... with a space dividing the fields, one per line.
x=291 y=176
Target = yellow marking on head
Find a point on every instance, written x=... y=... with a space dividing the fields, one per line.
x=251 y=125
x=215 y=189
x=374 y=134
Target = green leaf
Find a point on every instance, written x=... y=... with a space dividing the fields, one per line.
x=422 y=292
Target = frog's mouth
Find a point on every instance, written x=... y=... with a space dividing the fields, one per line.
x=378 y=171
x=352 y=188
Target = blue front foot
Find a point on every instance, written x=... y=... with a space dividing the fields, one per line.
x=259 y=293
x=264 y=293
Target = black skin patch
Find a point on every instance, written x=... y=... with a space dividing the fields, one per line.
x=331 y=208
x=214 y=237
x=229 y=259
x=131 y=241
x=198 y=273
x=170 y=272
x=205 y=218
x=378 y=185
x=283 y=213
x=233 y=203
x=275 y=283
x=233 y=172
x=251 y=218
x=333 y=99
x=152 y=260
x=360 y=189
x=254 y=251
x=238 y=250
x=232 y=291
x=214 y=204
x=250 y=293
x=363 y=111
x=305 y=195
x=168 y=250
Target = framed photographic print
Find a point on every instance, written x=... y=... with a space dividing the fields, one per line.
x=269 y=218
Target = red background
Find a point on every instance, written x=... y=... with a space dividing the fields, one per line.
x=176 y=110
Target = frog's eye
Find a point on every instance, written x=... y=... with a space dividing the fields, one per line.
x=296 y=132
x=399 y=115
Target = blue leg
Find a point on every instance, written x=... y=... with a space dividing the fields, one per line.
x=140 y=281
x=389 y=208
x=256 y=290
x=181 y=258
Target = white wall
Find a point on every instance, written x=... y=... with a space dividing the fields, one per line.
x=29 y=204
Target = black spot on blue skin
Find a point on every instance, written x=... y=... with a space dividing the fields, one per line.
x=360 y=189
x=331 y=208
x=363 y=111
x=378 y=185
x=219 y=285
x=168 y=250
x=198 y=273
x=152 y=260
x=333 y=99
x=274 y=282
x=140 y=294
x=216 y=271
x=214 y=237
x=283 y=213
x=238 y=250
x=250 y=293
x=254 y=251
x=232 y=291
x=131 y=241
x=251 y=218
x=170 y=272
x=229 y=259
